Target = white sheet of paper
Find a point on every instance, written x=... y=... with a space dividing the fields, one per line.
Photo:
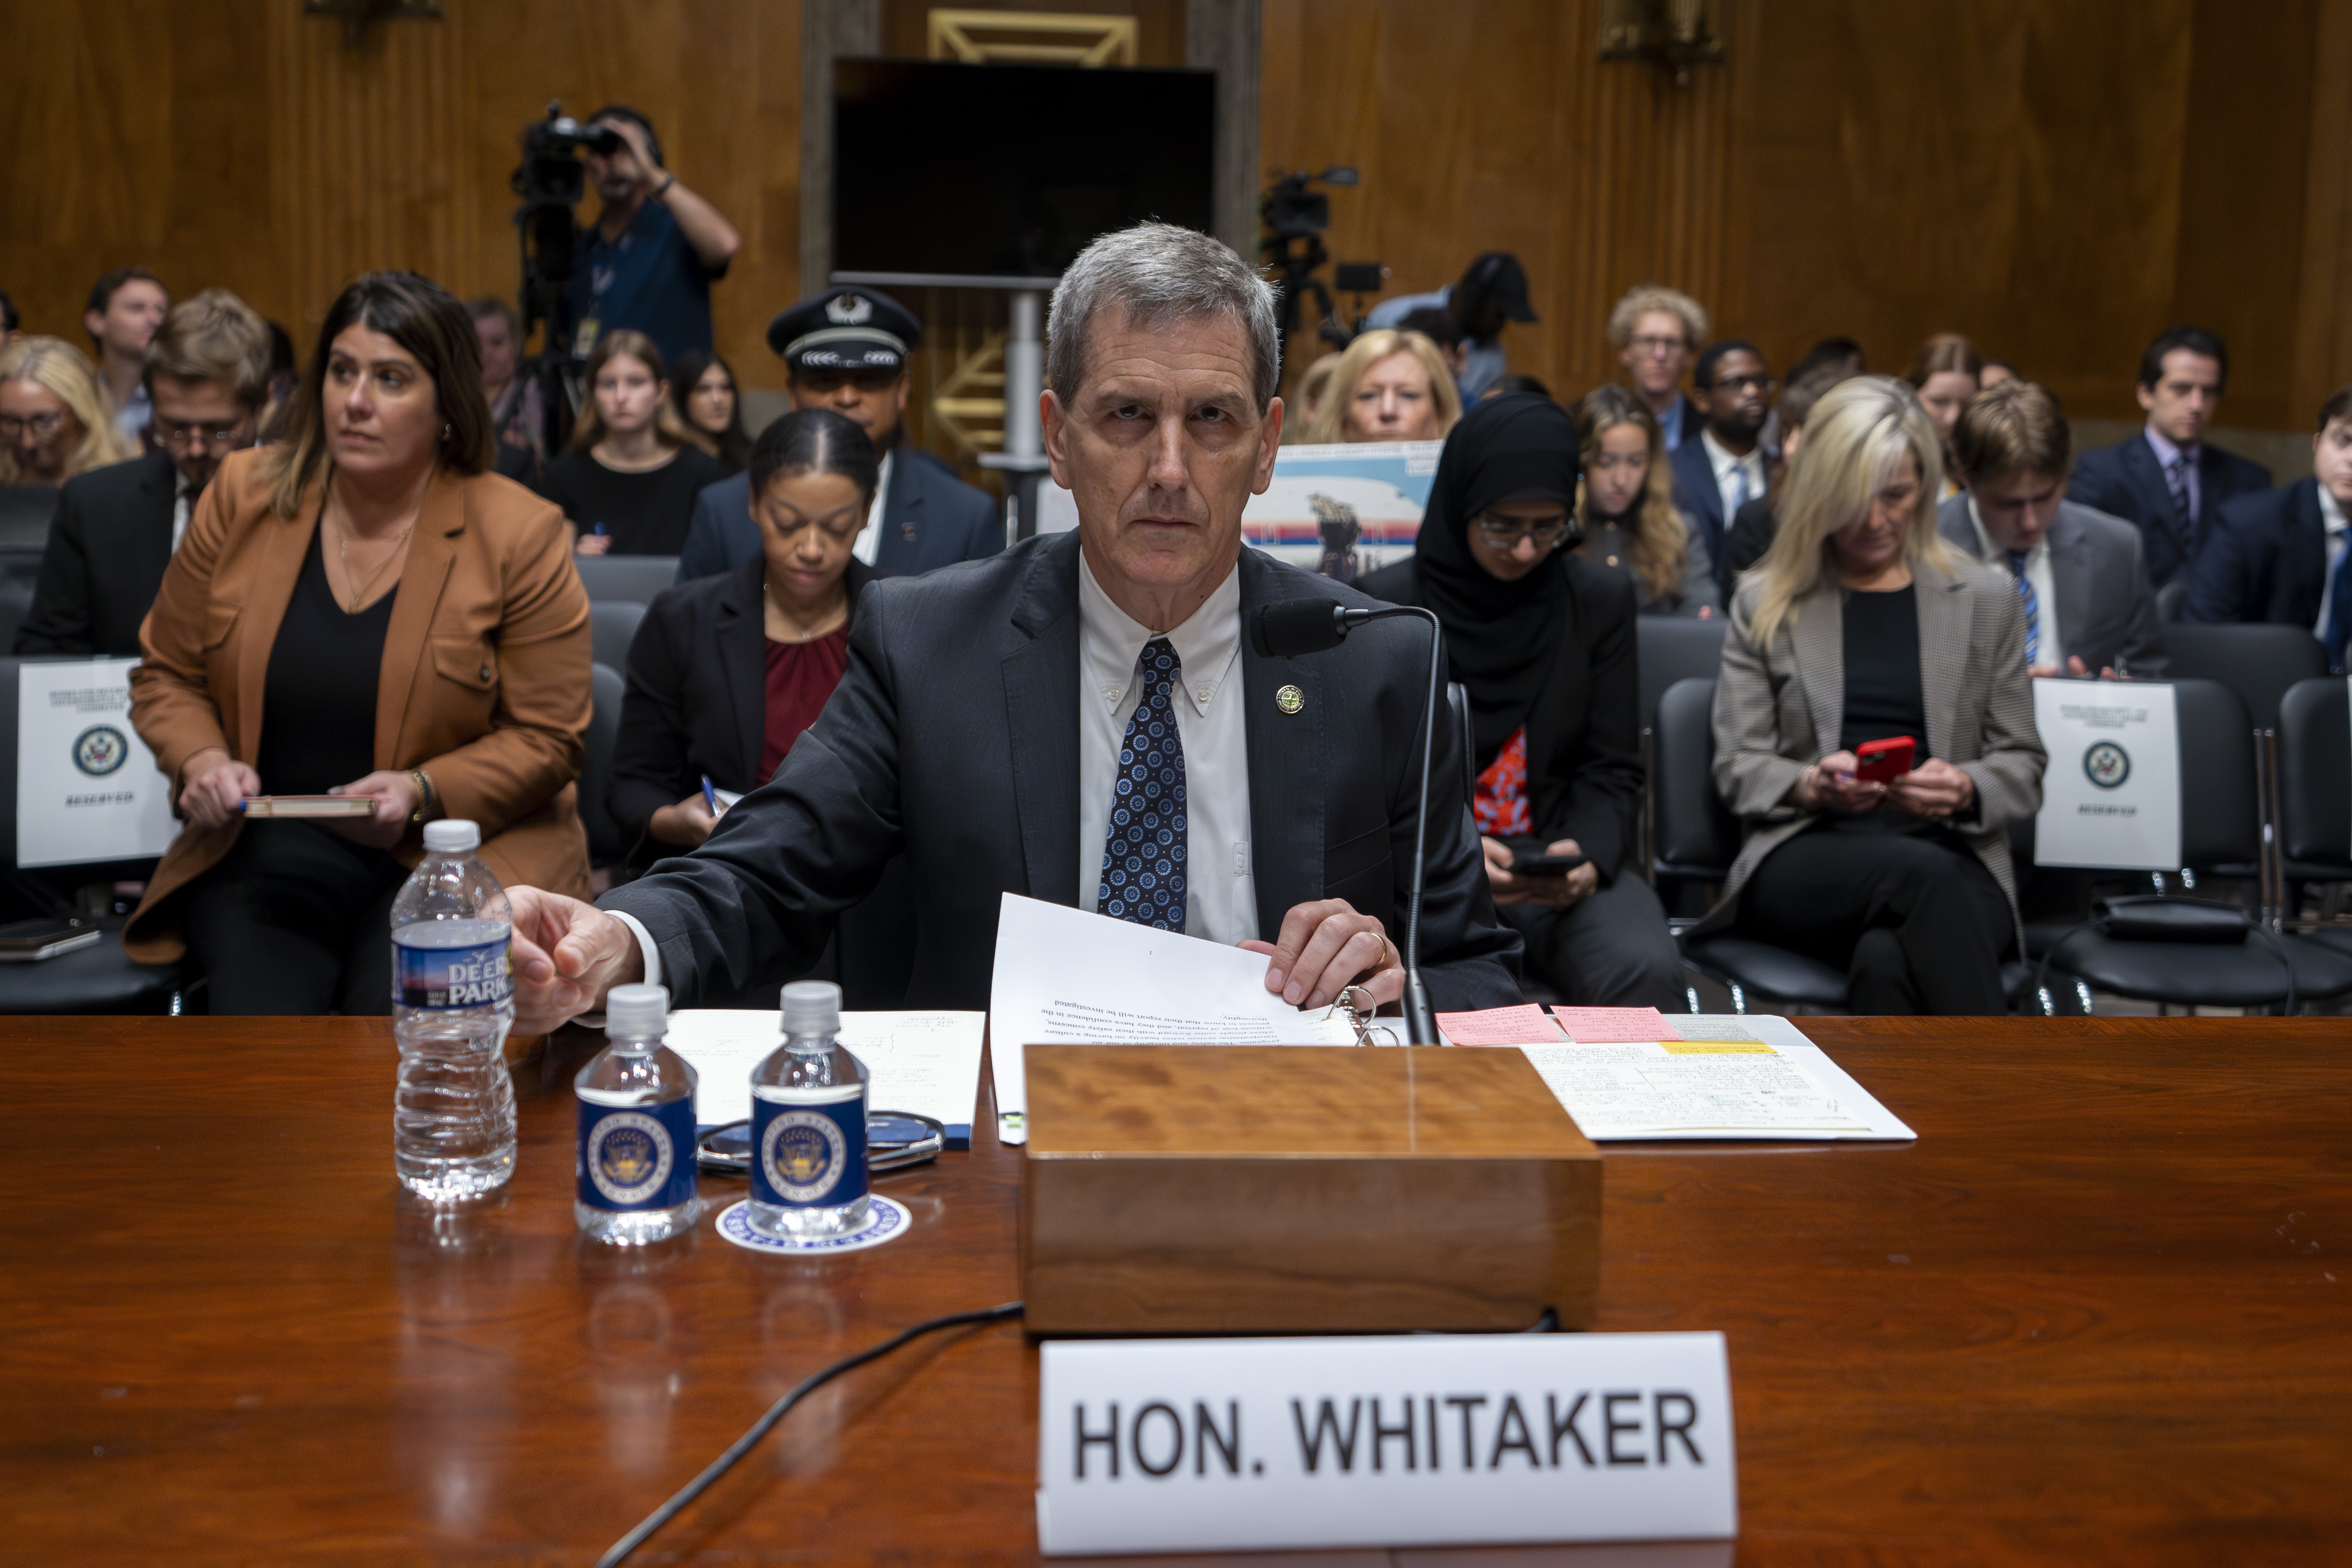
x=1071 y=976
x=2111 y=794
x=87 y=788
x=927 y=1063
x=1714 y=1088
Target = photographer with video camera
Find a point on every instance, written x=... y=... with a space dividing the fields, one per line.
x=648 y=263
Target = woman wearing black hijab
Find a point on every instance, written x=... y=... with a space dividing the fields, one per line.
x=1543 y=639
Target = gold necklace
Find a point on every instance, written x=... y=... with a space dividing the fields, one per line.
x=343 y=550
x=802 y=627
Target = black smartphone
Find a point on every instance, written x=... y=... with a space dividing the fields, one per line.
x=1524 y=864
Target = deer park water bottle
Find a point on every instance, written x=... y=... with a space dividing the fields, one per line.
x=637 y=1127
x=453 y=1125
x=808 y=1124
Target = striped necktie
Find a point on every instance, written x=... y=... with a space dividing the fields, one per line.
x=2175 y=480
x=2033 y=606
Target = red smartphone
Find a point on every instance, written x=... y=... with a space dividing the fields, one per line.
x=1880 y=761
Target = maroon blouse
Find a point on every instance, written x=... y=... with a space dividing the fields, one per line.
x=801 y=677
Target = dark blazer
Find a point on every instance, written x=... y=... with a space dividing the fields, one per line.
x=953 y=739
x=1748 y=537
x=2265 y=558
x=2124 y=480
x=930 y=518
x=2106 y=611
x=1585 y=747
x=698 y=696
x=1701 y=499
x=109 y=544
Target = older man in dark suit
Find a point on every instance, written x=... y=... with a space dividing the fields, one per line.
x=846 y=349
x=2166 y=480
x=2282 y=556
x=2088 y=606
x=116 y=528
x=999 y=720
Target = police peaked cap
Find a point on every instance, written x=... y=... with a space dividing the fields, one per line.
x=846 y=329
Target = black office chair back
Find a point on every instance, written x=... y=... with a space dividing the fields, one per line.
x=612 y=626
x=604 y=845
x=636 y=578
x=1697 y=836
x=24 y=514
x=2220 y=821
x=2315 y=774
x=1457 y=704
x=1668 y=648
x=2257 y=662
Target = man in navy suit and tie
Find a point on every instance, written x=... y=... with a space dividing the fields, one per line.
x=2280 y=556
x=1724 y=469
x=2165 y=479
x=846 y=349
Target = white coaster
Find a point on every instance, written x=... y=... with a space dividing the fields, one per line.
x=886 y=1220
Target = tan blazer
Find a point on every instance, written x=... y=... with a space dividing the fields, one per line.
x=485 y=685
x=1777 y=710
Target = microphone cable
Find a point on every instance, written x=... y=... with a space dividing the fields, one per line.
x=777 y=1412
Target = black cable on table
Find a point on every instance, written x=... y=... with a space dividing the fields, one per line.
x=776 y=1411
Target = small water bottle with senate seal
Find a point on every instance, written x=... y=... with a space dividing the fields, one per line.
x=808 y=1125
x=635 y=1164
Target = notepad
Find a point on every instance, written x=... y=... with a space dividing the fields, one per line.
x=1613 y=1025
x=1758 y=1078
x=1527 y=1024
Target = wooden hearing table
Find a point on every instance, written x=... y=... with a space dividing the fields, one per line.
x=2100 y=1312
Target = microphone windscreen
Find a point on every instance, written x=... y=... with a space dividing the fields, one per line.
x=1289 y=627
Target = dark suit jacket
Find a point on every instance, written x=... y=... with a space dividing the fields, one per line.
x=1701 y=499
x=953 y=739
x=2124 y=480
x=2265 y=558
x=1584 y=746
x=2106 y=611
x=109 y=544
x=1749 y=536
x=930 y=518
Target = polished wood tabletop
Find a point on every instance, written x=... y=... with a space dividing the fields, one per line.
x=2101 y=1311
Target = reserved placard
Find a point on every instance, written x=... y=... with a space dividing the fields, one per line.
x=1422 y=1440
x=87 y=788
x=2111 y=794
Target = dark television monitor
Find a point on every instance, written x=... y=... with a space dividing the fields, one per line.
x=1006 y=171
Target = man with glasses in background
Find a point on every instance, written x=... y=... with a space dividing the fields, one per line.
x=1725 y=468
x=1655 y=332
x=207 y=377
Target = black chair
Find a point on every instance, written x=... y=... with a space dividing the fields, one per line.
x=636 y=578
x=1667 y=649
x=612 y=626
x=99 y=979
x=1457 y=706
x=2219 y=826
x=605 y=844
x=2314 y=825
x=24 y=514
x=2257 y=662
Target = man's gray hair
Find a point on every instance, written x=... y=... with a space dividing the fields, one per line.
x=1156 y=273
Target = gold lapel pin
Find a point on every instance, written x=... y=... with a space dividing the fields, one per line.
x=1290 y=700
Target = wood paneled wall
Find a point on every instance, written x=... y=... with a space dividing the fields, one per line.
x=2059 y=182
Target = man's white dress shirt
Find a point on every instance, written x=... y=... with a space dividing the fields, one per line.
x=1739 y=479
x=869 y=538
x=2050 y=647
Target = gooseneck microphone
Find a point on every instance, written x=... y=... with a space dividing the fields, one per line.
x=1289 y=627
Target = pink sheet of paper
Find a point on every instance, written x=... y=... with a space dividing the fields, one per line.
x=1522 y=1026
x=1613 y=1025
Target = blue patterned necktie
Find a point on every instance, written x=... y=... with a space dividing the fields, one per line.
x=1143 y=854
x=2338 y=630
x=2032 y=607
x=2175 y=480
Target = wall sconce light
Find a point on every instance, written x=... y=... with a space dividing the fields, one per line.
x=1675 y=35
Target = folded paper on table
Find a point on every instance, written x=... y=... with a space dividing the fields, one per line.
x=1526 y=1024
x=1612 y=1026
x=927 y=1063
x=1764 y=1080
x=1067 y=976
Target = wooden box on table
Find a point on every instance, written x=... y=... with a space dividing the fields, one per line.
x=1249 y=1189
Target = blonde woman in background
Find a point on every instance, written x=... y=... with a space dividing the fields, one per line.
x=1946 y=372
x=55 y=418
x=1861 y=624
x=1625 y=509
x=1388 y=386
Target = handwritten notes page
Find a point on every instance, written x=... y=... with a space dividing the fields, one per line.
x=1615 y=1025
x=1752 y=1077
x=927 y=1063
x=1527 y=1024
x=1071 y=976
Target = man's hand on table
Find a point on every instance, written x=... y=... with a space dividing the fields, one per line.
x=567 y=954
x=1326 y=947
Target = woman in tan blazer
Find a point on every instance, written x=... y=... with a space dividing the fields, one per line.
x=1861 y=624
x=364 y=611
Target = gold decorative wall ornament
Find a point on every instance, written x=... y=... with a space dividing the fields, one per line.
x=962 y=403
x=1032 y=38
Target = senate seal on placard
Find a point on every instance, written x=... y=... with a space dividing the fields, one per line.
x=803 y=1154
x=2106 y=764
x=100 y=749
x=629 y=1157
